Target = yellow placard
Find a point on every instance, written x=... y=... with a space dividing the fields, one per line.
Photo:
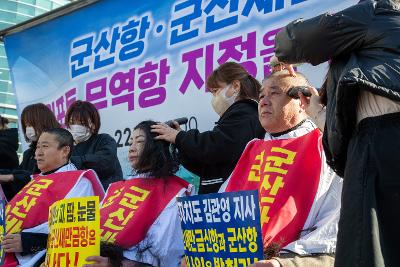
x=74 y=232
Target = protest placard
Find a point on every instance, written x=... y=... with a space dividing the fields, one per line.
x=221 y=229
x=74 y=231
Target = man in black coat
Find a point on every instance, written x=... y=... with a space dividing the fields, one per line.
x=8 y=145
x=8 y=154
x=362 y=130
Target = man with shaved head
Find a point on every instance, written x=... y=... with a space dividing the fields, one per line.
x=299 y=193
x=277 y=111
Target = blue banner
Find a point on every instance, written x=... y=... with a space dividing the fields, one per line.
x=221 y=229
x=138 y=60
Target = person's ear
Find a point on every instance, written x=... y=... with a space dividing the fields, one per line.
x=236 y=86
x=91 y=126
x=304 y=102
x=65 y=151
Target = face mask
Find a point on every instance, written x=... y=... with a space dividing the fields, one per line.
x=221 y=102
x=80 y=133
x=31 y=134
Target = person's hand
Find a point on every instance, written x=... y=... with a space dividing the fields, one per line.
x=165 y=132
x=176 y=126
x=312 y=105
x=277 y=65
x=6 y=178
x=183 y=262
x=266 y=263
x=12 y=243
x=98 y=261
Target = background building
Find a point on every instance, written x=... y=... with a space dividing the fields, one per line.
x=13 y=12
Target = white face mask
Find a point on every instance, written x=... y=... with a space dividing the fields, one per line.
x=79 y=133
x=221 y=102
x=31 y=134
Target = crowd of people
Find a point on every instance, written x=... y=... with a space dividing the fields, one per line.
x=341 y=200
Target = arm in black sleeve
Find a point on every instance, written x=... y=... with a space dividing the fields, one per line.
x=21 y=178
x=216 y=146
x=103 y=160
x=324 y=37
x=33 y=242
x=22 y=175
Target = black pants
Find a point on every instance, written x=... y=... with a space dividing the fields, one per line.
x=369 y=226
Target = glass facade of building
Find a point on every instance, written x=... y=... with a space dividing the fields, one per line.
x=13 y=12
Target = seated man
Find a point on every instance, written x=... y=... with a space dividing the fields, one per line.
x=27 y=212
x=299 y=193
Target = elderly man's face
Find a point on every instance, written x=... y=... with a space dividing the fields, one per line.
x=48 y=155
x=276 y=110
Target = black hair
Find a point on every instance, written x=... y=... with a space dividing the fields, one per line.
x=113 y=252
x=156 y=157
x=63 y=137
x=40 y=117
x=85 y=113
x=231 y=71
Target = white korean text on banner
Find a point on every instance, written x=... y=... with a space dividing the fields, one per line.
x=139 y=60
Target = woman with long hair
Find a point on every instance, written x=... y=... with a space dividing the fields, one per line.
x=148 y=227
x=212 y=155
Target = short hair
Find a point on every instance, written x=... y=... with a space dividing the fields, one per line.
x=156 y=154
x=285 y=74
x=84 y=112
x=231 y=71
x=299 y=80
x=40 y=117
x=63 y=137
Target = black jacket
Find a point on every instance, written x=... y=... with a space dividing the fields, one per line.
x=8 y=148
x=99 y=153
x=363 y=42
x=214 y=154
x=22 y=175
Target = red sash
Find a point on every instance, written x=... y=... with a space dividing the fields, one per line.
x=29 y=208
x=286 y=173
x=131 y=207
